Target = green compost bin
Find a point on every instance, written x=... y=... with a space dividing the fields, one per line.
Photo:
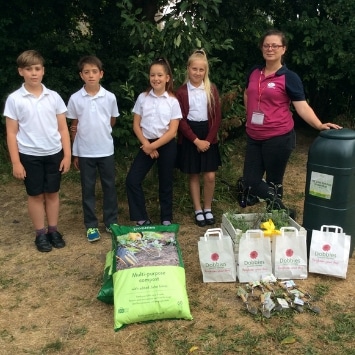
x=330 y=183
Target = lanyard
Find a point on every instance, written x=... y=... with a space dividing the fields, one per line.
x=261 y=89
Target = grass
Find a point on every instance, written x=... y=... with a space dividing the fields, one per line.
x=49 y=301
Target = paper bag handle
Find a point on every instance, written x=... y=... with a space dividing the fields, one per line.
x=325 y=228
x=291 y=229
x=213 y=232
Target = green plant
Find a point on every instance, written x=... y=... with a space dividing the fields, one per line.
x=244 y=222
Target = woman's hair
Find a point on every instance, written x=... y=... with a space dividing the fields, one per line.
x=169 y=86
x=89 y=59
x=28 y=58
x=199 y=54
x=273 y=32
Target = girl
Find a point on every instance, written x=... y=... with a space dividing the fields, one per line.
x=155 y=123
x=198 y=145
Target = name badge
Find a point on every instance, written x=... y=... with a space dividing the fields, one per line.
x=257 y=118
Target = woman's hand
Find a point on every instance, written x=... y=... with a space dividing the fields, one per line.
x=329 y=125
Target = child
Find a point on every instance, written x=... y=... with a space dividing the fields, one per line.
x=198 y=147
x=155 y=123
x=93 y=111
x=39 y=146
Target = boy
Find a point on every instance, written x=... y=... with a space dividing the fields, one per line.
x=93 y=111
x=39 y=146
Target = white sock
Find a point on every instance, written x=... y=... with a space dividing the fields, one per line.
x=199 y=215
x=208 y=213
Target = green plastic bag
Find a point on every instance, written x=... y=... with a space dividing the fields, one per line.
x=148 y=275
x=106 y=292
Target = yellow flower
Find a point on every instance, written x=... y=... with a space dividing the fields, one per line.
x=269 y=228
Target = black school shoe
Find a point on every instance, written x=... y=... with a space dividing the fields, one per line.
x=42 y=243
x=56 y=239
x=200 y=223
x=209 y=221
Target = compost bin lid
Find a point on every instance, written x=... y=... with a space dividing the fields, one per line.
x=343 y=133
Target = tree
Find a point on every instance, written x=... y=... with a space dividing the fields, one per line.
x=127 y=35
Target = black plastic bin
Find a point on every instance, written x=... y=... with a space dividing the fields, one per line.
x=330 y=184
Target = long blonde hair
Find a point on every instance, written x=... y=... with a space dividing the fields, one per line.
x=199 y=54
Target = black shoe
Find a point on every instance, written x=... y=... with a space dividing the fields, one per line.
x=292 y=213
x=201 y=223
x=241 y=193
x=42 y=243
x=56 y=239
x=147 y=222
x=209 y=221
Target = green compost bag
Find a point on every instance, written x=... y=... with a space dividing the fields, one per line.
x=106 y=291
x=148 y=275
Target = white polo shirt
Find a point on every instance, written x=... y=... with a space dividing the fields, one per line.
x=93 y=137
x=156 y=113
x=197 y=103
x=38 y=133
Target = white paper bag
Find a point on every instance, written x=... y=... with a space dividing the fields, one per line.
x=289 y=254
x=254 y=256
x=329 y=251
x=216 y=256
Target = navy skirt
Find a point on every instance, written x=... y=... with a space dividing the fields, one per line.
x=190 y=161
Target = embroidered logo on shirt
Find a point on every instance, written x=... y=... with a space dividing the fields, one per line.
x=271 y=85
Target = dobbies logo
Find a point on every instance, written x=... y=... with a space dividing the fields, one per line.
x=122 y=310
x=215 y=264
x=271 y=85
x=214 y=257
x=326 y=247
x=326 y=252
x=254 y=259
x=254 y=254
x=289 y=253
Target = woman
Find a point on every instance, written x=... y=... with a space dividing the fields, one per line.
x=270 y=89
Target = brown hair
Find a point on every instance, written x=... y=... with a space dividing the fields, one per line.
x=89 y=59
x=28 y=58
x=169 y=86
x=273 y=32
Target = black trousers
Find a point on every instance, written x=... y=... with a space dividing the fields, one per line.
x=267 y=159
x=140 y=167
x=88 y=171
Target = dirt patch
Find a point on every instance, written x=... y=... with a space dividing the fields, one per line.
x=48 y=300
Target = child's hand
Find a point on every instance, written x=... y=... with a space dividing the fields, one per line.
x=202 y=145
x=65 y=165
x=18 y=171
x=154 y=154
x=76 y=163
x=147 y=148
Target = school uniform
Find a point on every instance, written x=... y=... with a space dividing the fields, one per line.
x=38 y=139
x=198 y=122
x=93 y=144
x=156 y=113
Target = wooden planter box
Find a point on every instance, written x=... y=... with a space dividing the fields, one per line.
x=251 y=221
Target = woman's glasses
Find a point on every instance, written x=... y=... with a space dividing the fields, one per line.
x=273 y=46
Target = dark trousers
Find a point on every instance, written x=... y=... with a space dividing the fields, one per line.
x=139 y=169
x=267 y=157
x=106 y=168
